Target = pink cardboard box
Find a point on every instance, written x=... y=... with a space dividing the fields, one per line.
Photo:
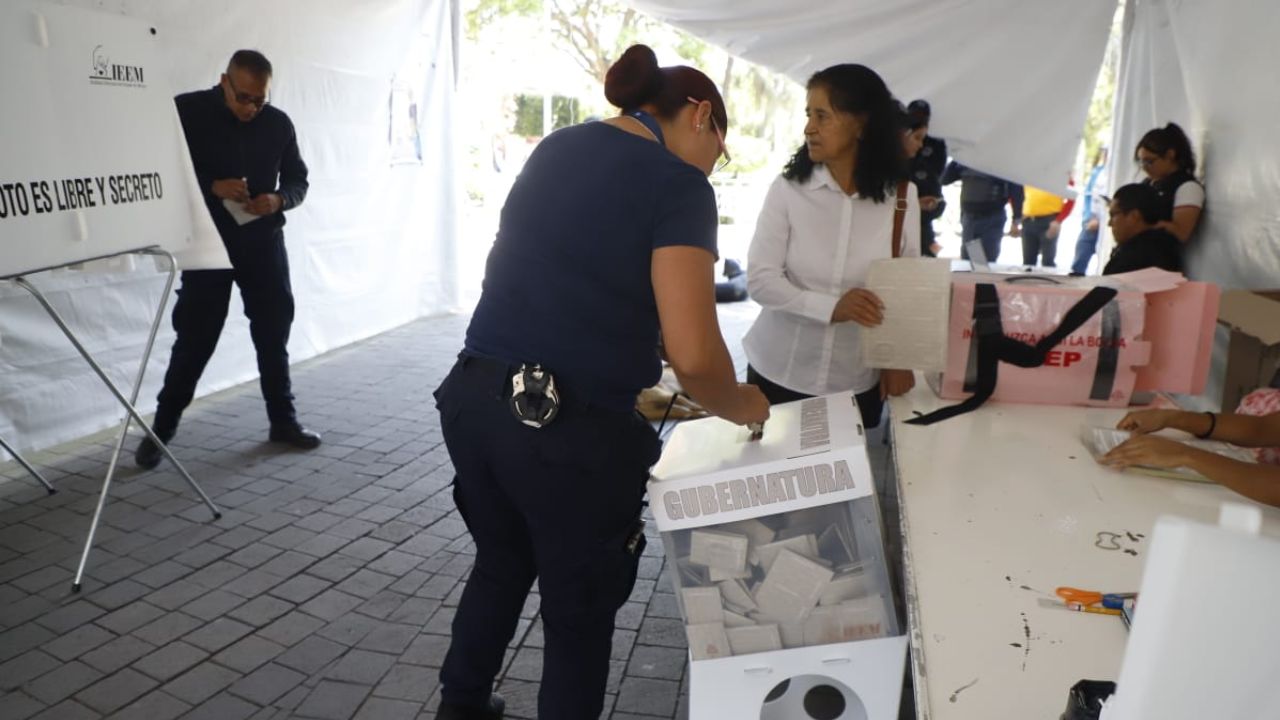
x=1095 y=365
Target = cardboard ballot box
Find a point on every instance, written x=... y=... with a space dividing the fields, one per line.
x=775 y=552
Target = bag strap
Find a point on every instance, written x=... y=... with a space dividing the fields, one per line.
x=995 y=347
x=899 y=216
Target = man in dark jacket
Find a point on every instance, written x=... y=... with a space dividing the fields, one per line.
x=1135 y=210
x=982 y=201
x=245 y=154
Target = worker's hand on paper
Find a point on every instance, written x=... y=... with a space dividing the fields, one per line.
x=750 y=406
x=1148 y=451
x=265 y=204
x=860 y=306
x=1141 y=422
x=929 y=203
x=896 y=382
x=1055 y=227
x=231 y=189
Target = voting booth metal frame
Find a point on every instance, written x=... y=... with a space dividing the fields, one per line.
x=131 y=412
x=13 y=452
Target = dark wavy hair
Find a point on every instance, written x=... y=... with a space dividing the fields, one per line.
x=1169 y=137
x=636 y=80
x=857 y=89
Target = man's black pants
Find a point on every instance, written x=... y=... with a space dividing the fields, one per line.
x=261 y=270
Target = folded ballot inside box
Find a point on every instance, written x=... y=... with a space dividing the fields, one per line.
x=774 y=543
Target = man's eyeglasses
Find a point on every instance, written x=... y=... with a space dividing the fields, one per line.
x=724 y=151
x=257 y=101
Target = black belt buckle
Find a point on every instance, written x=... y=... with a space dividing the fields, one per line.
x=534 y=400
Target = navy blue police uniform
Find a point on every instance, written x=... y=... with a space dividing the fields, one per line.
x=567 y=288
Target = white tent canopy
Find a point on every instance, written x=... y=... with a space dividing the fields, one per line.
x=1010 y=82
x=371 y=248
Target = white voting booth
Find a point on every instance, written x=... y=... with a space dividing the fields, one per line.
x=94 y=165
x=777 y=558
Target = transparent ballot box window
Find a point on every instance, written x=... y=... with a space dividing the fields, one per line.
x=771 y=547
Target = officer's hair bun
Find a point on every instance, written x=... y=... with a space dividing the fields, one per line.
x=634 y=79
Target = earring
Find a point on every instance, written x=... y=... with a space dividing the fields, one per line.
x=699 y=127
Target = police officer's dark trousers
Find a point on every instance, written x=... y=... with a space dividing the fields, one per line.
x=556 y=504
x=261 y=270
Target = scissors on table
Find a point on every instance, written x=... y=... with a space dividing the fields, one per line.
x=1087 y=598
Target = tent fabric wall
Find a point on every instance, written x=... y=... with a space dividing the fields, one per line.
x=1009 y=80
x=1210 y=72
x=371 y=248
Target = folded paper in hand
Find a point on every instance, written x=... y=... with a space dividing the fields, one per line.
x=239 y=213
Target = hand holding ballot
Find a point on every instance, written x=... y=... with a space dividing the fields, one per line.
x=235 y=189
x=264 y=204
x=861 y=306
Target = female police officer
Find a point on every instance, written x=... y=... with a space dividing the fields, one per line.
x=607 y=236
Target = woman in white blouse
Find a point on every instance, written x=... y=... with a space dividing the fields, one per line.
x=824 y=221
x=1165 y=155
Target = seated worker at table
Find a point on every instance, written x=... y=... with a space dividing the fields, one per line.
x=1257 y=482
x=1140 y=242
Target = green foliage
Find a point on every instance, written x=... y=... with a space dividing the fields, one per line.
x=565 y=111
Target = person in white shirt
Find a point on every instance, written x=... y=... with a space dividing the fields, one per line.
x=824 y=221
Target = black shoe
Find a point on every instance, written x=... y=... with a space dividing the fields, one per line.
x=295 y=435
x=449 y=711
x=148 y=454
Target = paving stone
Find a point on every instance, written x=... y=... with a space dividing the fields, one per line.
x=336 y=567
x=118 y=653
x=201 y=683
x=366 y=549
x=331 y=604
x=662 y=663
x=130 y=617
x=27 y=666
x=19 y=706
x=223 y=706
x=359 y=666
x=253 y=583
x=332 y=700
x=261 y=610
x=218 y=634
x=349 y=629
x=153 y=706
x=65 y=681
x=312 y=654
x=166 y=629
x=249 y=653
x=644 y=696
x=70 y=616
x=254 y=555
x=300 y=588
x=266 y=684
x=171 y=660
x=212 y=604
x=665 y=632
x=291 y=628
x=427 y=650
x=388 y=638
x=67 y=710
x=407 y=682
x=113 y=693
x=172 y=597
x=78 y=642
x=377 y=708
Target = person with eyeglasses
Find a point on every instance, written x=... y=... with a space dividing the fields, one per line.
x=1165 y=156
x=832 y=212
x=606 y=242
x=246 y=160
